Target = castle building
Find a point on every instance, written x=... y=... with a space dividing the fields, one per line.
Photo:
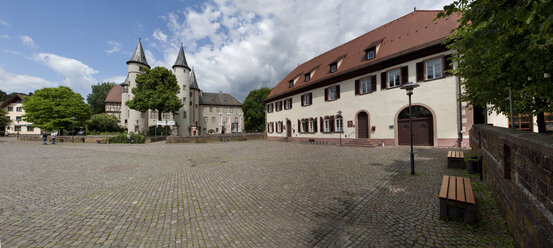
x=190 y=119
x=14 y=108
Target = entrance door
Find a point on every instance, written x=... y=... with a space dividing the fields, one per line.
x=423 y=127
x=288 y=128
x=363 y=125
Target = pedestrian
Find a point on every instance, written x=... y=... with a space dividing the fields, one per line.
x=44 y=136
x=128 y=138
x=7 y=133
x=54 y=134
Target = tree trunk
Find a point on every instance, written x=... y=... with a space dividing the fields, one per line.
x=158 y=115
x=541 y=122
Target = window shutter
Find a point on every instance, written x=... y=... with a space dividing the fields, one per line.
x=326 y=95
x=373 y=83
x=357 y=92
x=322 y=125
x=420 y=71
x=332 y=124
x=302 y=100
x=404 y=75
x=299 y=126
x=447 y=65
x=290 y=103
x=337 y=91
x=315 y=124
x=310 y=98
x=383 y=82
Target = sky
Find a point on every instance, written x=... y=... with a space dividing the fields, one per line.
x=234 y=46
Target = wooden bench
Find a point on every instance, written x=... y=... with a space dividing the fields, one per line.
x=457 y=199
x=456 y=159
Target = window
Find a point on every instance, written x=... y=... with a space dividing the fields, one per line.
x=366 y=85
x=307 y=77
x=143 y=114
x=224 y=110
x=339 y=124
x=210 y=109
x=327 y=124
x=288 y=103
x=306 y=99
x=184 y=87
x=184 y=114
x=332 y=93
x=18 y=118
x=278 y=106
x=333 y=67
x=370 y=55
x=136 y=129
x=153 y=114
x=184 y=100
x=205 y=119
x=212 y=119
x=269 y=108
x=230 y=109
x=290 y=83
x=434 y=69
x=10 y=109
x=30 y=129
x=166 y=116
x=235 y=119
x=17 y=128
x=311 y=125
x=394 y=79
x=18 y=109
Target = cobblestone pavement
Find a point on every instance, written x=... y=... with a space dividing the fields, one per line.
x=237 y=194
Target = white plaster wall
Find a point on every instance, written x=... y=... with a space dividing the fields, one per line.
x=13 y=115
x=134 y=70
x=182 y=74
x=382 y=106
x=498 y=120
x=204 y=110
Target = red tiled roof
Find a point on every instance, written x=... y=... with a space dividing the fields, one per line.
x=411 y=32
x=114 y=95
x=13 y=99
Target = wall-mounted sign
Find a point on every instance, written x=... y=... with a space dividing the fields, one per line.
x=350 y=123
x=161 y=123
x=391 y=127
x=170 y=123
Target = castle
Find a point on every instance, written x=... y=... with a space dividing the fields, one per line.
x=202 y=112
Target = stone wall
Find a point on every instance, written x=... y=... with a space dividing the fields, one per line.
x=518 y=167
x=75 y=139
x=215 y=138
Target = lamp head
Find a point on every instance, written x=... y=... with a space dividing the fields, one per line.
x=409 y=86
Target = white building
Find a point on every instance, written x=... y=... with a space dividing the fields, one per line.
x=14 y=107
x=188 y=120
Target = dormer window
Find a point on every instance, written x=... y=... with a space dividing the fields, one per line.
x=307 y=77
x=370 y=53
x=333 y=67
x=290 y=83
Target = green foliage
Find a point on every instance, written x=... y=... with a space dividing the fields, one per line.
x=501 y=44
x=98 y=96
x=3 y=96
x=104 y=123
x=253 y=108
x=134 y=138
x=156 y=89
x=4 y=120
x=161 y=130
x=52 y=108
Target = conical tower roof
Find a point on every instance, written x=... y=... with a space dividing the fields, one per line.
x=193 y=82
x=181 y=59
x=139 y=56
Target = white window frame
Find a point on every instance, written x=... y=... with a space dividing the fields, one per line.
x=394 y=78
x=327 y=124
x=434 y=69
x=311 y=125
x=339 y=124
x=307 y=100
x=18 y=109
x=366 y=85
x=205 y=119
x=333 y=67
x=332 y=93
x=288 y=103
x=371 y=54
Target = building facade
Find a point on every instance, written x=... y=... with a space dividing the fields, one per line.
x=14 y=108
x=352 y=93
x=185 y=122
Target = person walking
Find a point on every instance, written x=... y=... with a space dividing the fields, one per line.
x=54 y=134
x=44 y=136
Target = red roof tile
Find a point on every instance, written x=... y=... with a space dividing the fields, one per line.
x=114 y=95
x=413 y=31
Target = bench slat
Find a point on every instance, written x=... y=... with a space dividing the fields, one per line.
x=451 y=192
x=450 y=154
x=461 y=155
x=460 y=190
x=443 y=190
x=468 y=191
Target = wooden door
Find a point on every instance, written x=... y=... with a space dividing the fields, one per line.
x=423 y=127
x=288 y=128
x=362 y=125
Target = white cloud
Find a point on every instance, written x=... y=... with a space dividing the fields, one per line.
x=236 y=46
x=78 y=75
x=4 y=36
x=4 y=23
x=115 y=79
x=11 y=82
x=27 y=40
x=115 y=47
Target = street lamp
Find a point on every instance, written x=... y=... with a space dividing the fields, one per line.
x=342 y=126
x=409 y=88
x=73 y=133
x=137 y=127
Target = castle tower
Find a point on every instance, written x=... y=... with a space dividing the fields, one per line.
x=136 y=120
x=182 y=72
x=195 y=123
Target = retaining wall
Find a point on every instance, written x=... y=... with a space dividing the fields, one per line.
x=215 y=138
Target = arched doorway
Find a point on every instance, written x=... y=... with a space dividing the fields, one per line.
x=423 y=127
x=362 y=125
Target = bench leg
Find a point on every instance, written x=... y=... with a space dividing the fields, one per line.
x=443 y=209
x=470 y=214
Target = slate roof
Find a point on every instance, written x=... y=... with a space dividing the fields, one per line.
x=114 y=95
x=193 y=81
x=222 y=99
x=181 y=59
x=412 y=32
x=139 y=56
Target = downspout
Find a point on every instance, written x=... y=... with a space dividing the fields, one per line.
x=459 y=112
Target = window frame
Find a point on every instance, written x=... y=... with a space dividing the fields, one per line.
x=10 y=109
x=370 y=50
x=361 y=83
x=290 y=83
x=331 y=66
x=330 y=89
x=327 y=123
x=18 y=109
x=304 y=99
x=307 y=77
x=442 y=71
x=339 y=128
x=396 y=84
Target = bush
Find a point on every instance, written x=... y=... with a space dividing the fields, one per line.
x=161 y=131
x=122 y=138
x=103 y=123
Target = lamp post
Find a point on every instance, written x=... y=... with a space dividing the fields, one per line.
x=73 y=133
x=409 y=88
x=137 y=128
x=341 y=127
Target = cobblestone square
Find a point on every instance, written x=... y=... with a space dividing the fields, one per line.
x=234 y=194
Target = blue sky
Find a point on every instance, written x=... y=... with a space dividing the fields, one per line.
x=234 y=46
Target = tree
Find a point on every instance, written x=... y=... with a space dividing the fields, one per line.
x=503 y=46
x=98 y=96
x=156 y=89
x=4 y=120
x=3 y=96
x=253 y=108
x=53 y=109
x=104 y=123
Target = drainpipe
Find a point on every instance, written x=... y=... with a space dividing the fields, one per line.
x=459 y=111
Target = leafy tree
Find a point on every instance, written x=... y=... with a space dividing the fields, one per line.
x=156 y=89
x=253 y=108
x=503 y=46
x=4 y=120
x=104 y=123
x=53 y=109
x=3 y=96
x=98 y=96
